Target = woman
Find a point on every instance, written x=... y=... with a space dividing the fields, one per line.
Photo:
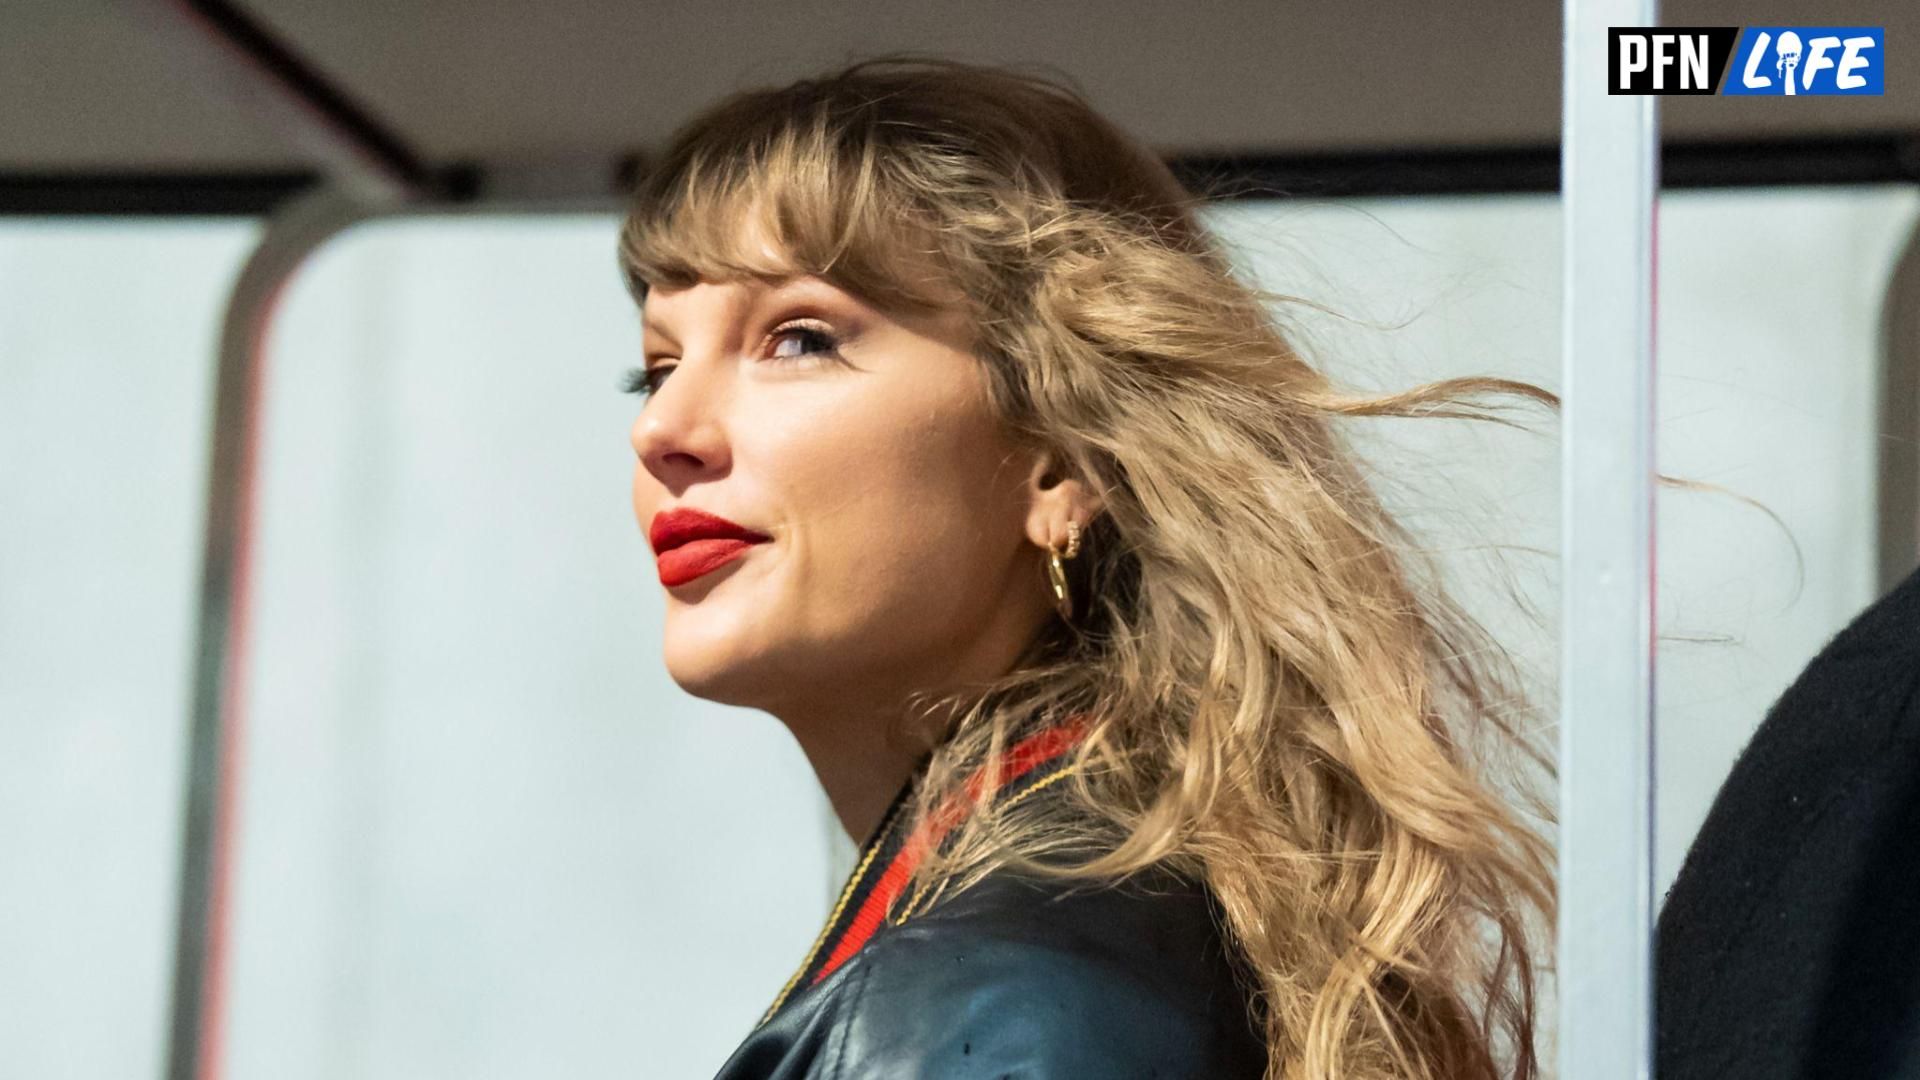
x=967 y=456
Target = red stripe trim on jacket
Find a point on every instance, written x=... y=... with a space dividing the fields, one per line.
x=1025 y=756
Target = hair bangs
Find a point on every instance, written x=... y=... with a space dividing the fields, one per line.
x=795 y=199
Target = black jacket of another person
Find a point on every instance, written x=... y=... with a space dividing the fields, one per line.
x=1789 y=945
x=1014 y=978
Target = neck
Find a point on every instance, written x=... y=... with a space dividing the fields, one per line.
x=858 y=745
x=859 y=768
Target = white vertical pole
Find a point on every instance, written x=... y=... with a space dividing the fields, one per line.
x=1609 y=176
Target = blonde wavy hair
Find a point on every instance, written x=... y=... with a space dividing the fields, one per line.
x=1284 y=701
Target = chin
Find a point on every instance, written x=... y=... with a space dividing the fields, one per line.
x=701 y=670
x=713 y=663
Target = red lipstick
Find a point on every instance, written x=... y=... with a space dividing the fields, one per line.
x=688 y=543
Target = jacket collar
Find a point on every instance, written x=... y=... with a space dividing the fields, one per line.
x=872 y=895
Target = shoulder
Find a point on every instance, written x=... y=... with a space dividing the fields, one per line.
x=1041 y=979
x=1787 y=934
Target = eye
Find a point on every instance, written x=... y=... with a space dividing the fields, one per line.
x=816 y=333
x=645 y=382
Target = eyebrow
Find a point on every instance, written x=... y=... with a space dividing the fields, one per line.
x=654 y=328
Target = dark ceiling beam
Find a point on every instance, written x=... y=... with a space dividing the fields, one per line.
x=240 y=57
x=141 y=194
x=1868 y=158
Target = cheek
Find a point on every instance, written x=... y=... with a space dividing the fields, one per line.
x=898 y=525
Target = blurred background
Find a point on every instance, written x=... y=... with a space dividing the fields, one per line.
x=473 y=829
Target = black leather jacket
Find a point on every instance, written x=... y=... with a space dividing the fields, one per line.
x=1017 y=977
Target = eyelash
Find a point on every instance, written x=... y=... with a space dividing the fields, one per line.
x=645 y=381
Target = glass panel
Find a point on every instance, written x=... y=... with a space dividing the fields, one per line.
x=107 y=333
x=1769 y=322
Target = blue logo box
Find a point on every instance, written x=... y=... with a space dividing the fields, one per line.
x=1794 y=60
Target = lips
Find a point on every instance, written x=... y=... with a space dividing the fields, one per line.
x=689 y=543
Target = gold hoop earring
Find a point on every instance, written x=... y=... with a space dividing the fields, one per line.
x=1057 y=572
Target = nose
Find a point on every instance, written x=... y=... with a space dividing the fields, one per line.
x=680 y=434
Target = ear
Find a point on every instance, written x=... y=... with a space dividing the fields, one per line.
x=1056 y=496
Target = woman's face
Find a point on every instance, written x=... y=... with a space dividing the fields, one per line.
x=900 y=521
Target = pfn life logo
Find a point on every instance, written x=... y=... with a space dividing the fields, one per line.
x=1785 y=61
